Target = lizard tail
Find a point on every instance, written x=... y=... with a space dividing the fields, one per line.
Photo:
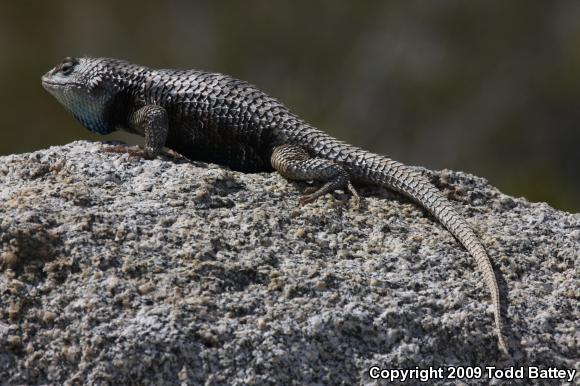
x=371 y=168
x=411 y=183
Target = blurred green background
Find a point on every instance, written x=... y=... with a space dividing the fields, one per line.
x=488 y=87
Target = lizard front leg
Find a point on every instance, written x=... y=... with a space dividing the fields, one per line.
x=294 y=163
x=152 y=122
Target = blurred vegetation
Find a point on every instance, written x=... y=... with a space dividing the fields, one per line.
x=489 y=87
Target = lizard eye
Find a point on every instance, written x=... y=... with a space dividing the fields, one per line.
x=67 y=68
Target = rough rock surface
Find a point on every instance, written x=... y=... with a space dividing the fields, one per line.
x=129 y=271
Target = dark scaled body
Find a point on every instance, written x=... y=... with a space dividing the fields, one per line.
x=215 y=118
x=211 y=117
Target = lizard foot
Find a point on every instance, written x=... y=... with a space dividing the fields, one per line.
x=309 y=190
x=355 y=196
x=134 y=153
x=312 y=193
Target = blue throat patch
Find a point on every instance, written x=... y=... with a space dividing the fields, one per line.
x=92 y=116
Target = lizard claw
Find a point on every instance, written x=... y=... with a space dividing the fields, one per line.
x=134 y=153
x=309 y=190
x=115 y=149
x=306 y=199
x=312 y=193
x=355 y=196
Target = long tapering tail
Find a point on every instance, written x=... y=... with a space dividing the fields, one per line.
x=372 y=168
x=412 y=184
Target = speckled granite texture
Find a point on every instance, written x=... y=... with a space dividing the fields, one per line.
x=127 y=271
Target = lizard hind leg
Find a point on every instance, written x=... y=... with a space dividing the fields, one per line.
x=294 y=163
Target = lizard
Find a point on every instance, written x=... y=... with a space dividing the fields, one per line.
x=216 y=118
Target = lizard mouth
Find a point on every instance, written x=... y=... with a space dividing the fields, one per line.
x=47 y=83
x=50 y=83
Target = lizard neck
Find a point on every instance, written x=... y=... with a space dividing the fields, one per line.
x=127 y=82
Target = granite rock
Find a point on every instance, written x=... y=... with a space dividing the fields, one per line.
x=116 y=270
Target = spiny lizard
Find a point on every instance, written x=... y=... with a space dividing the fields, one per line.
x=215 y=118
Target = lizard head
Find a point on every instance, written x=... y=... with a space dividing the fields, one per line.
x=81 y=86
